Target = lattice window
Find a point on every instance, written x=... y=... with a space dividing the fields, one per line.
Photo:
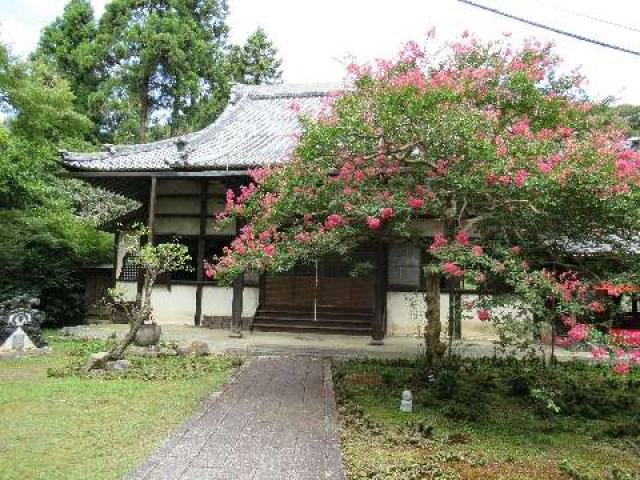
x=130 y=270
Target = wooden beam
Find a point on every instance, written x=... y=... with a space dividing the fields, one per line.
x=200 y=252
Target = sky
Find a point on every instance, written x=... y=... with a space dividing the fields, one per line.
x=315 y=39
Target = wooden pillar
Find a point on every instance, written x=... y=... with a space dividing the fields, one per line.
x=150 y=225
x=152 y=209
x=200 y=252
x=380 y=313
x=116 y=247
x=237 y=306
x=237 y=301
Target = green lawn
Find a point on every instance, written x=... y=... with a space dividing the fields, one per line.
x=93 y=428
x=491 y=423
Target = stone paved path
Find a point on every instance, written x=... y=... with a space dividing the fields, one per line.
x=277 y=421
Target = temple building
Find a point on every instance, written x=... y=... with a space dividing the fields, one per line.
x=181 y=183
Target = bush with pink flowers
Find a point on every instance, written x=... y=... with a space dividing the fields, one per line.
x=487 y=139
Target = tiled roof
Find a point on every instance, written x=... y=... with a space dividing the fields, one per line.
x=258 y=127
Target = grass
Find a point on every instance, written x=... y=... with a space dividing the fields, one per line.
x=484 y=429
x=72 y=427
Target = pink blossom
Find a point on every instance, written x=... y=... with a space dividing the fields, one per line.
x=416 y=203
x=520 y=177
x=634 y=356
x=477 y=251
x=566 y=131
x=333 y=221
x=410 y=52
x=579 y=332
x=516 y=249
x=269 y=250
x=483 y=314
x=521 y=127
x=373 y=223
x=452 y=269
x=358 y=175
x=303 y=236
x=599 y=352
x=438 y=242
x=491 y=178
x=462 y=237
x=386 y=213
x=596 y=307
x=621 y=368
x=209 y=270
x=544 y=166
x=568 y=320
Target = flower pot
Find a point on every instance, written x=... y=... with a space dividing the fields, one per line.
x=148 y=334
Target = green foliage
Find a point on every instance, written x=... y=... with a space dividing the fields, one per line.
x=165 y=55
x=68 y=43
x=162 y=64
x=146 y=369
x=162 y=258
x=73 y=428
x=42 y=243
x=630 y=114
x=41 y=253
x=256 y=62
x=514 y=436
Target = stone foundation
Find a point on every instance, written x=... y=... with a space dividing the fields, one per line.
x=209 y=321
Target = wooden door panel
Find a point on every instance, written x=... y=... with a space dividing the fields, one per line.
x=363 y=293
x=303 y=291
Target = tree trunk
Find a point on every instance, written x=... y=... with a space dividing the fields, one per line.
x=143 y=110
x=143 y=310
x=175 y=118
x=434 y=348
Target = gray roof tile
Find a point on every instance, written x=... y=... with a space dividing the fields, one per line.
x=258 y=127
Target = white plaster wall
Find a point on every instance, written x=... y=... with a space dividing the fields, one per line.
x=175 y=306
x=216 y=301
x=406 y=310
x=130 y=289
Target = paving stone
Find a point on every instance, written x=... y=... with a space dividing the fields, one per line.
x=275 y=420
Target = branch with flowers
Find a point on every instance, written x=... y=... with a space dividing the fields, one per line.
x=488 y=140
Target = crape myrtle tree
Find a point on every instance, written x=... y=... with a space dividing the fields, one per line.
x=489 y=140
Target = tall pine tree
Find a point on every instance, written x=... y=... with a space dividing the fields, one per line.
x=167 y=58
x=68 y=44
x=256 y=61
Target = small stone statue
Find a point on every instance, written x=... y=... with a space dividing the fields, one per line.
x=20 y=324
x=406 y=404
